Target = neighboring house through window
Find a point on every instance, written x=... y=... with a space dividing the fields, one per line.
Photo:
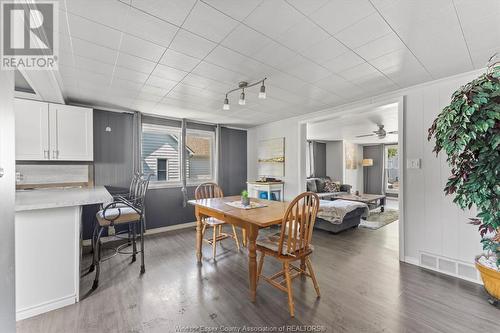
x=162 y=169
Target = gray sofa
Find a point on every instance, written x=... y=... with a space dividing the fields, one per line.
x=317 y=185
x=351 y=220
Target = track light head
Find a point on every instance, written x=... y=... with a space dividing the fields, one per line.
x=226 y=104
x=242 y=98
x=262 y=93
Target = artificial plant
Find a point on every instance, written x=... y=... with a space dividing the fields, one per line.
x=468 y=130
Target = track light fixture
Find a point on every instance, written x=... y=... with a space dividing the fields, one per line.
x=242 y=86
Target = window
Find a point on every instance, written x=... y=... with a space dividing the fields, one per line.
x=391 y=168
x=162 y=169
x=200 y=147
x=160 y=152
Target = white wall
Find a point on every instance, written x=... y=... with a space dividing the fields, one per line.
x=335 y=160
x=432 y=222
x=354 y=177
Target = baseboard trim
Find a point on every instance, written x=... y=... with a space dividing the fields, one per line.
x=45 y=307
x=412 y=261
x=153 y=231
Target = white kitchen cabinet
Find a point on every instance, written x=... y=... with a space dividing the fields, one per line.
x=46 y=131
x=32 y=130
x=71 y=133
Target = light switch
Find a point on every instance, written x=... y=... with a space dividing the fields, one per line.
x=413 y=163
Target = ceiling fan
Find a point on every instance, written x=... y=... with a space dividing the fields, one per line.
x=380 y=133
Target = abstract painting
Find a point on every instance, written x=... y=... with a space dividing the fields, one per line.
x=271 y=157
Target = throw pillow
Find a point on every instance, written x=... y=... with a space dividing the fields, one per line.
x=331 y=186
x=311 y=185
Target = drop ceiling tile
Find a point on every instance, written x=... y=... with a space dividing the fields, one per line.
x=246 y=40
x=160 y=83
x=236 y=62
x=308 y=71
x=276 y=55
x=127 y=74
x=339 y=86
x=94 y=66
x=209 y=23
x=94 y=51
x=236 y=9
x=337 y=15
x=284 y=81
x=380 y=46
x=179 y=60
x=110 y=13
x=135 y=63
x=364 y=31
x=141 y=48
x=360 y=72
x=481 y=57
x=307 y=7
x=126 y=85
x=325 y=50
x=265 y=18
x=484 y=35
x=217 y=73
x=93 y=32
x=173 y=11
x=168 y=73
x=154 y=90
x=190 y=44
x=302 y=35
x=149 y=28
x=344 y=61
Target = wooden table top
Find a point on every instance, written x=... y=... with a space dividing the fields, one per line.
x=263 y=217
x=365 y=197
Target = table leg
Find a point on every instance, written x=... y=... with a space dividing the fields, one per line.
x=252 y=260
x=198 y=235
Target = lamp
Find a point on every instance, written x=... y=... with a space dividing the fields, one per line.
x=226 y=104
x=262 y=93
x=367 y=162
x=242 y=86
x=242 y=98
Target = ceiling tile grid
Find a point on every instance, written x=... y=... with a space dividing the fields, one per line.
x=169 y=55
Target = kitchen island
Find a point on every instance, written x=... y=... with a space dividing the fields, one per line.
x=47 y=246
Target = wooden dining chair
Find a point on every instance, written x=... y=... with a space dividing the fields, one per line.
x=208 y=191
x=291 y=244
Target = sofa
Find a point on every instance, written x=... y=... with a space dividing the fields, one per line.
x=317 y=185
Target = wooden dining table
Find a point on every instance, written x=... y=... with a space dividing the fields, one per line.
x=250 y=220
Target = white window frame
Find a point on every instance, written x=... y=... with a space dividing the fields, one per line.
x=165 y=183
x=213 y=162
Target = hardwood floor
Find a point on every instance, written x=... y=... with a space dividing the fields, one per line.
x=364 y=288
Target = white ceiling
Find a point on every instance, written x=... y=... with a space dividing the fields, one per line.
x=347 y=127
x=179 y=57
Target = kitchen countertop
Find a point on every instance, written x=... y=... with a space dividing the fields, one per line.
x=56 y=198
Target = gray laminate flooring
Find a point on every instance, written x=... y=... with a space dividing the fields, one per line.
x=363 y=285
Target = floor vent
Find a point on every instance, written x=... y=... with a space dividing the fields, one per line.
x=449 y=266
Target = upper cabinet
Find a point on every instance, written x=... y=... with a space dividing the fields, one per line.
x=46 y=131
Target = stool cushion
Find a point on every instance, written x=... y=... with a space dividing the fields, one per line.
x=125 y=215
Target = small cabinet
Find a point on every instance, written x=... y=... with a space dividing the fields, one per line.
x=47 y=131
x=71 y=133
x=32 y=130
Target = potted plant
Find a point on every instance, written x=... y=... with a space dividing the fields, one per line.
x=245 y=200
x=468 y=130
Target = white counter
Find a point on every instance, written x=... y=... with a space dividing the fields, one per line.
x=58 y=198
x=47 y=242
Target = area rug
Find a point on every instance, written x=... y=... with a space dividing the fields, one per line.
x=377 y=219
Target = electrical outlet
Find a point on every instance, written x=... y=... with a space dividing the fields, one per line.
x=413 y=163
x=111 y=231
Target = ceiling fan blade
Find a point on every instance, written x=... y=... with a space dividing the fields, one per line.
x=362 y=136
x=392 y=132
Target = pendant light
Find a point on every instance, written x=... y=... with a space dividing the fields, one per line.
x=226 y=104
x=242 y=98
x=262 y=93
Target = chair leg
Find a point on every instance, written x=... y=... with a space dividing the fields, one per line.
x=134 y=242
x=313 y=277
x=259 y=268
x=235 y=235
x=141 y=225
x=97 y=259
x=286 y=267
x=244 y=237
x=214 y=243
x=94 y=232
x=203 y=230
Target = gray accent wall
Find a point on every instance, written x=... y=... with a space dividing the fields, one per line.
x=233 y=160
x=113 y=151
x=374 y=176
